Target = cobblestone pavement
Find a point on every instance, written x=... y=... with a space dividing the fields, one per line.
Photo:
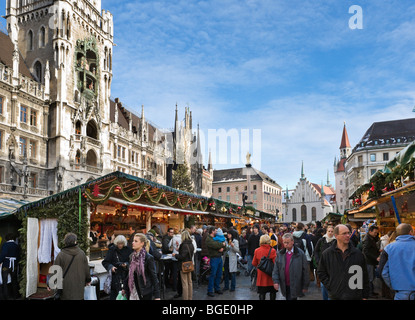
x=244 y=292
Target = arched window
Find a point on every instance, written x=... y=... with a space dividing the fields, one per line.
x=78 y=157
x=92 y=130
x=303 y=213
x=91 y=158
x=78 y=127
x=42 y=37
x=38 y=71
x=30 y=40
x=313 y=214
x=294 y=214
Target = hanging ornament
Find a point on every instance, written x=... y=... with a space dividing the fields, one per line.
x=96 y=190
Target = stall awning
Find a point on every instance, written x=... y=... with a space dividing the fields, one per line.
x=224 y=215
x=367 y=205
x=155 y=207
x=8 y=206
x=332 y=215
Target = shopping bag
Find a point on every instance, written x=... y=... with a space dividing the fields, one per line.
x=107 y=283
x=90 y=293
x=121 y=296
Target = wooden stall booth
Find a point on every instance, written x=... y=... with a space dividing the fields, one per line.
x=114 y=204
x=395 y=207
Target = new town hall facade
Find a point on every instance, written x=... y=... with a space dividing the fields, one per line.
x=58 y=125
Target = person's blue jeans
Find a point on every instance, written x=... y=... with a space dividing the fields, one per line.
x=216 y=265
x=404 y=295
x=249 y=260
x=229 y=276
x=324 y=292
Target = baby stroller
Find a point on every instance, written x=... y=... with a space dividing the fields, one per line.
x=253 y=275
x=204 y=270
x=242 y=264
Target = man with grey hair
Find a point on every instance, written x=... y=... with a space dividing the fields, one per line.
x=342 y=268
x=74 y=264
x=291 y=271
x=399 y=267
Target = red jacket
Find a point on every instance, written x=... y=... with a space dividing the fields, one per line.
x=263 y=280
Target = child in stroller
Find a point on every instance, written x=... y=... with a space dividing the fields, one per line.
x=204 y=270
x=242 y=264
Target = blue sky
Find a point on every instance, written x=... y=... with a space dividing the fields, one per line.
x=292 y=69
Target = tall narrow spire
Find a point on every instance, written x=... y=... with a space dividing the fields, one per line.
x=199 y=149
x=302 y=170
x=210 y=166
x=142 y=112
x=176 y=125
x=345 y=148
x=345 y=138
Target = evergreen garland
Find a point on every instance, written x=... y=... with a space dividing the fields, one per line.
x=65 y=211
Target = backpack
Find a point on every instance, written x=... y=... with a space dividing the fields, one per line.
x=298 y=242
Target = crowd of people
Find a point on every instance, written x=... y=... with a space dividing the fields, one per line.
x=341 y=261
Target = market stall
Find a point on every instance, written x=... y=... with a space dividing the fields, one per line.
x=395 y=207
x=389 y=195
x=118 y=202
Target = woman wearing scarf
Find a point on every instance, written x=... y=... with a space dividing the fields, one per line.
x=142 y=282
x=322 y=244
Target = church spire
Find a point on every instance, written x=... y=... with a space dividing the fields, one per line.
x=176 y=126
x=199 y=149
x=345 y=148
x=302 y=171
x=210 y=166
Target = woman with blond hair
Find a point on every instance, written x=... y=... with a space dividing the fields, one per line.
x=142 y=281
x=186 y=253
x=264 y=281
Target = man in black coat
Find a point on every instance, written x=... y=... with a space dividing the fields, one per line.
x=342 y=269
x=372 y=254
x=253 y=243
x=168 y=266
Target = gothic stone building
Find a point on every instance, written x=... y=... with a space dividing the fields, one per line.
x=309 y=201
x=58 y=125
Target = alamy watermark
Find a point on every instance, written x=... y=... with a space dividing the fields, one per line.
x=356 y=280
x=222 y=146
x=356 y=20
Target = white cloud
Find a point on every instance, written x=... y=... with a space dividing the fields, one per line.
x=290 y=68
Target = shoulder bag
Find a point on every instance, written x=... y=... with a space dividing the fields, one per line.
x=188 y=266
x=266 y=265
